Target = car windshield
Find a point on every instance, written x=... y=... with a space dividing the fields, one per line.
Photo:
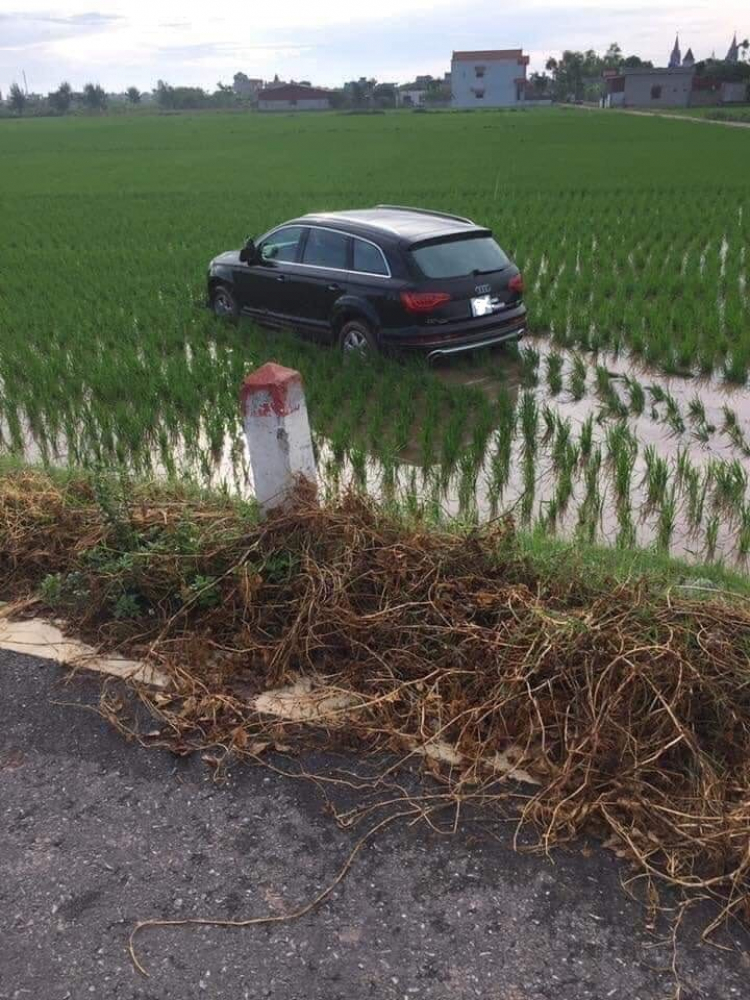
x=459 y=258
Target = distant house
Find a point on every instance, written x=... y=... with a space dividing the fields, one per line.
x=412 y=95
x=649 y=88
x=246 y=86
x=489 y=79
x=294 y=97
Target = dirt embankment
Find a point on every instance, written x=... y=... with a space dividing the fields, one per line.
x=622 y=711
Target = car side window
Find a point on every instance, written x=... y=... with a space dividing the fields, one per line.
x=368 y=258
x=325 y=248
x=282 y=245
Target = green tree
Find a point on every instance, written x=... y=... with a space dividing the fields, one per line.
x=541 y=85
x=94 y=97
x=384 y=95
x=438 y=92
x=635 y=62
x=61 y=99
x=134 y=95
x=17 y=99
x=613 y=58
x=577 y=75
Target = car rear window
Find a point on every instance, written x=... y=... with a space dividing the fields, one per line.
x=368 y=258
x=459 y=258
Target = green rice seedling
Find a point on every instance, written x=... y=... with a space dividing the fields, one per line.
x=683 y=465
x=658 y=395
x=388 y=473
x=608 y=394
x=358 y=459
x=550 y=514
x=667 y=520
x=500 y=461
x=586 y=437
x=622 y=452
x=620 y=438
x=590 y=510
x=734 y=431
x=697 y=486
x=529 y=417
x=529 y=367
x=565 y=469
x=549 y=419
x=674 y=416
x=623 y=475
x=736 y=366
x=626 y=533
x=697 y=410
x=467 y=486
x=655 y=477
x=577 y=380
x=562 y=443
x=743 y=538
x=729 y=484
x=452 y=441
x=529 y=487
x=711 y=538
x=730 y=418
x=636 y=396
x=412 y=503
x=554 y=373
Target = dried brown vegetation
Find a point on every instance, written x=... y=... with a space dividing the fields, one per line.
x=629 y=707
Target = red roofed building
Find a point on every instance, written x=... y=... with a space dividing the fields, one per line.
x=294 y=97
x=488 y=78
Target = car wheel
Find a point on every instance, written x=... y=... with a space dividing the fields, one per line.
x=357 y=340
x=223 y=303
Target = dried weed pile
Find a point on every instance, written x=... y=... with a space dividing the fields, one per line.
x=630 y=709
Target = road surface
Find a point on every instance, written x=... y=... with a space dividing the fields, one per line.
x=97 y=834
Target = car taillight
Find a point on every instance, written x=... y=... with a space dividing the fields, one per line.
x=423 y=302
x=516 y=283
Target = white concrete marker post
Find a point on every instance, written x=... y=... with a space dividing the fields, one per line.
x=278 y=433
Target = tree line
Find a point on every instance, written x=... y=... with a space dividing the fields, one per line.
x=575 y=76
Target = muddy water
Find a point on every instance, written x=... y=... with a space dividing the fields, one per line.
x=665 y=425
x=533 y=491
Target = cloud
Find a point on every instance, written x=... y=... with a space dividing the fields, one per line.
x=92 y=19
x=186 y=41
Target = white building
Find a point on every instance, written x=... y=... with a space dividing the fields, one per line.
x=649 y=88
x=488 y=79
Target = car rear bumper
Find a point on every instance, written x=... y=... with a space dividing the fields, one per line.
x=443 y=341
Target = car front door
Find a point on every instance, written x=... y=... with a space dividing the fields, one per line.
x=266 y=286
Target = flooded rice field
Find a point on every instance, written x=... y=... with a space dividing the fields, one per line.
x=580 y=444
x=599 y=447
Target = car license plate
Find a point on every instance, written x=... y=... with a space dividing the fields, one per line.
x=481 y=306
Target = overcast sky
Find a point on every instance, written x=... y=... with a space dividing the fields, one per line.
x=126 y=42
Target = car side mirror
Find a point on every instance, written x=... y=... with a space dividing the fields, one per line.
x=249 y=253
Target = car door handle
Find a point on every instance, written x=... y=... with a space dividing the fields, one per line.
x=281 y=277
x=333 y=287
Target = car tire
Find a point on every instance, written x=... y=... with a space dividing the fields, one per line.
x=357 y=340
x=223 y=303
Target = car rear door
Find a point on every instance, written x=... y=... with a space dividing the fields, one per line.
x=323 y=275
x=266 y=287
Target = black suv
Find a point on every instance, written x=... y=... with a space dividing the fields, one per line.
x=380 y=277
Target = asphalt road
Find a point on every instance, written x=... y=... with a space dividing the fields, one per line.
x=96 y=834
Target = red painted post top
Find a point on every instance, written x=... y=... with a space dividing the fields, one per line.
x=275 y=382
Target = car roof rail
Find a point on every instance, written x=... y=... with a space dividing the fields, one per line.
x=428 y=211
